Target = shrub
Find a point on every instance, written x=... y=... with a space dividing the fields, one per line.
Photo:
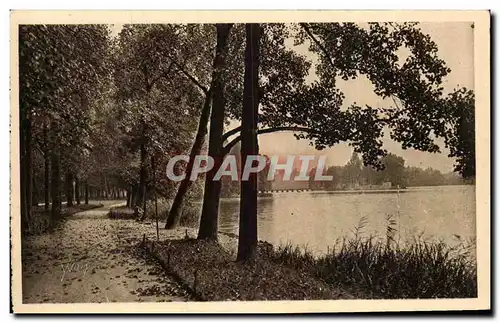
x=190 y=212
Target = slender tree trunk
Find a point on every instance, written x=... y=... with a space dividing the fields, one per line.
x=247 y=240
x=77 y=190
x=69 y=189
x=153 y=164
x=175 y=213
x=23 y=169
x=86 y=193
x=105 y=188
x=210 y=210
x=144 y=203
x=55 y=183
x=133 y=196
x=28 y=169
x=129 y=194
x=46 y=174
x=35 y=191
x=141 y=194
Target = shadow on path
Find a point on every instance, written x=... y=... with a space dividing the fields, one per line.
x=91 y=258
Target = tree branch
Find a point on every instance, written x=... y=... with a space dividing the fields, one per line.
x=230 y=133
x=227 y=148
x=190 y=77
x=164 y=74
x=318 y=43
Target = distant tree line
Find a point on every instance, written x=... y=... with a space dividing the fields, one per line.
x=394 y=174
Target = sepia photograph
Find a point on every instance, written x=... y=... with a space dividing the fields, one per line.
x=250 y=161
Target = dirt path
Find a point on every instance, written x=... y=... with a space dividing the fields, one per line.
x=91 y=258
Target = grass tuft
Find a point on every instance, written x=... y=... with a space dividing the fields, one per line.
x=385 y=269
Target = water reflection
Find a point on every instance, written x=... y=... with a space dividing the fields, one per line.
x=318 y=219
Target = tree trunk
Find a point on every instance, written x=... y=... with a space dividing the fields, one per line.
x=141 y=194
x=77 y=190
x=247 y=240
x=28 y=164
x=153 y=164
x=69 y=189
x=144 y=201
x=86 y=193
x=175 y=213
x=129 y=195
x=210 y=210
x=47 y=180
x=55 y=183
x=23 y=169
x=133 y=196
x=34 y=191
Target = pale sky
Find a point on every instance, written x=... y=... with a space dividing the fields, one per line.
x=456 y=47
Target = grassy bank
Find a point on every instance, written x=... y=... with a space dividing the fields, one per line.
x=381 y=270
x=41 y=220
x=210 y=273
x=190 y=212
x=357 y=267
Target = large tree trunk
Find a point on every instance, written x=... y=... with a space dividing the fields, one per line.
x=247 y=240
x=77 y=190
x=46 y=180
x=69 y=189
x=210 y=210
x=55 y=183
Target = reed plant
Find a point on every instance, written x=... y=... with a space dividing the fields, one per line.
x=381 y=267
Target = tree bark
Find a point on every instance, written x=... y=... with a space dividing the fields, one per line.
x=129 y=194
x=55 y=183
x=144 y=201
x=69 y=189
x=133 y=196
x=34 y=191
x=153 y=164
x=28 y=169
x=86 y=192
x=141 y=194
x=23 y=169
x=210 y=210
x=77 y=190
x=247 y=240
x=46 y=174
x=175 y=213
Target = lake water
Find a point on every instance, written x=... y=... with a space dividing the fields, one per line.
x=317 y=219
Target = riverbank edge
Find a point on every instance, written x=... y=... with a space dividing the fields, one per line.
x=209 y=272
x=364 y=269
